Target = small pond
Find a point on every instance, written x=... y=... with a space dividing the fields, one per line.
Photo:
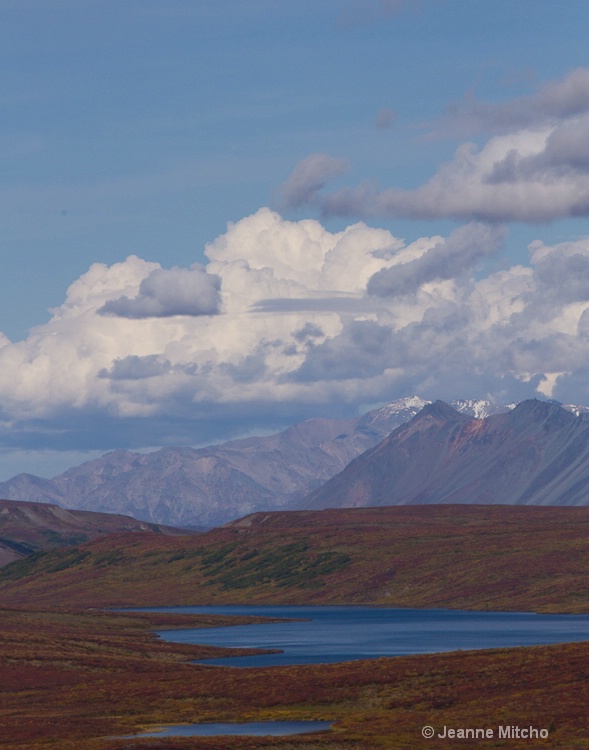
x=251 y=729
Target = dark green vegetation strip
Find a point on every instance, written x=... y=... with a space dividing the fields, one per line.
x=22 y=549
x=294 y=564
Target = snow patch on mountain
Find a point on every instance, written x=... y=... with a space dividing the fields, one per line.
x=477 y=409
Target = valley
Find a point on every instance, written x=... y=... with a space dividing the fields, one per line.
x=75 y=673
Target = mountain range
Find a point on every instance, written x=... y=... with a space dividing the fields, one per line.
x=412 y=451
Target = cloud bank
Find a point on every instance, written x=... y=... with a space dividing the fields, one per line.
x=288 y=319
x=534 y=168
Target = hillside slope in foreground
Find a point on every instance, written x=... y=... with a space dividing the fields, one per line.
x=31 y=527
x=467 y=557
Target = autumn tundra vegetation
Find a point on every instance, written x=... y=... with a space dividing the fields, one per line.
x=76 y=675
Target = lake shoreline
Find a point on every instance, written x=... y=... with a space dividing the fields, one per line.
x=332 y=634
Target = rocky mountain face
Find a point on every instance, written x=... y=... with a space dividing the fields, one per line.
x=188 y=487
x=30 y=527
x=534 y=454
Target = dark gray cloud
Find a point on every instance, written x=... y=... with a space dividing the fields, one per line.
x=484 y=186
x=442 y=354
x=566 y=154
x=362 y=350
x=248 y=370
x=562 y=278
x=308 y=177
x=184 y=423
x=308 y=331
x=450 y=258
x=583 y=326
x=420 y=352
x=137 y=368
x=177 y=291
x=534 y=169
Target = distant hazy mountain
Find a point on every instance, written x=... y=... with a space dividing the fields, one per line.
x=535 y=454
x=186 y=486
x=29 y=527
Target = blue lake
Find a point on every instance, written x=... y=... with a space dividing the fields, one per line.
x=333 y=634
x=250 y=729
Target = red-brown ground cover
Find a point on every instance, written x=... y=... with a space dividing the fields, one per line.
x=71 y=678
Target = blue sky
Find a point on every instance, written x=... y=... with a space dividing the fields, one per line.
x=142 y=127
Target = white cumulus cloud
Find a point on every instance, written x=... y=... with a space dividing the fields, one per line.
x=305 y=320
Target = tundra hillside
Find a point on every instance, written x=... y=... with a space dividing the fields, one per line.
x=26 y=528
x=467 y=557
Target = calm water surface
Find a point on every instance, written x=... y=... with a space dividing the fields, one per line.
x=332 y=634
x=250 y=729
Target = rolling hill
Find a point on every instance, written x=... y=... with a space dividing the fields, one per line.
x=26 y=528
x=458 y=556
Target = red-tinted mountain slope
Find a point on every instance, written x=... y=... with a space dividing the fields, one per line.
x=536 y=454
